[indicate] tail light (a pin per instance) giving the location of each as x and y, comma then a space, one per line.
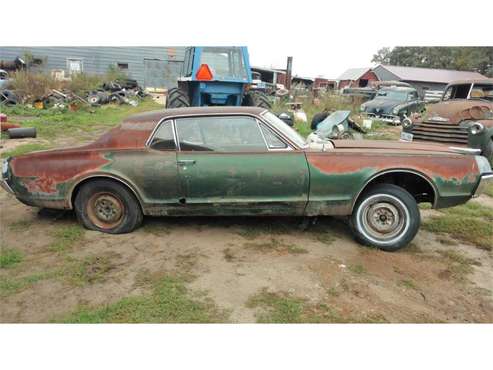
204, 73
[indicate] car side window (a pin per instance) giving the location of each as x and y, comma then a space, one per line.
220, 134
273, 141
163, 138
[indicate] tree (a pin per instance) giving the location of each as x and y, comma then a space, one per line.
479, 59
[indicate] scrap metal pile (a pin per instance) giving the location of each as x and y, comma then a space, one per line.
121, 91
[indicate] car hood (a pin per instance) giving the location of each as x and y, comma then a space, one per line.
392, 146
458, 110
384, 104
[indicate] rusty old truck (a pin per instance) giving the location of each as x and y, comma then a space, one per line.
244, 161
463, 117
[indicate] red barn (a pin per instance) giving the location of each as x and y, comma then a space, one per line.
357, 77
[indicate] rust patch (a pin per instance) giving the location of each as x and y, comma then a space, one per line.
448, 168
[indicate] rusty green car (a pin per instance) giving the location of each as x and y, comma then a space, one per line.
244, 161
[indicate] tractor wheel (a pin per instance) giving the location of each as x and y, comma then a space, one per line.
177, 99
256, 99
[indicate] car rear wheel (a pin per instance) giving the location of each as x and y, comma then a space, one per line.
107, 206
386, 217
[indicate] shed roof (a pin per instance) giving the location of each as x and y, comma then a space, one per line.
353, 74
430, 74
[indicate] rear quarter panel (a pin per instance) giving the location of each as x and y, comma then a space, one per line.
337, 177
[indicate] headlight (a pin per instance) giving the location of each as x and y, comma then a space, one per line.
476, 128
395, 111
407, 123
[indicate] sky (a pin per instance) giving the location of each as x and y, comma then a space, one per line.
325, 38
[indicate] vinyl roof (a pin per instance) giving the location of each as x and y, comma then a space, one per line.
431, 75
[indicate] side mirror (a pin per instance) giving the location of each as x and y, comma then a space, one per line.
286, 118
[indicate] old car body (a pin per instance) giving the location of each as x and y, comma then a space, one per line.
464, 117
237, 161
393, 104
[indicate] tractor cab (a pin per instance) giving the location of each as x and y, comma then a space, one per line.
214, 76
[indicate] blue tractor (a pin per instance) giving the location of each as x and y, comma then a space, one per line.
216, 76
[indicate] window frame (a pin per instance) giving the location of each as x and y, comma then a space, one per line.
162, 122
291, 146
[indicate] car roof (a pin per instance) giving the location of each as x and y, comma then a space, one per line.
158, 115
398, 88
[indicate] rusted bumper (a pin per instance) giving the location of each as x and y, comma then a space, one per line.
485, 180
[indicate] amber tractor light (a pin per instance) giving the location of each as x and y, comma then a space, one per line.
476, 128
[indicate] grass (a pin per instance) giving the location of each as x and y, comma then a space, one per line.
470, 223
52, 123
169, 302
275, 245
9, 286
88, 270
21, 225
408, 284
357, 269
284, 308
65, 237
9, 257
24, 149
489, 190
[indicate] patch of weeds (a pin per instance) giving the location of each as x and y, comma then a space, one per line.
458, 265
275, 245
10, 286
470, 223
424, 205
489, 190
408, 284
24, 149
284, 308
65, 237
332, 291
324, 236
169, 302
88, 270
256, 229
357, 269
21, 225
9, 257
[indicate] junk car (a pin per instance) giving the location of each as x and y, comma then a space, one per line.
229, 161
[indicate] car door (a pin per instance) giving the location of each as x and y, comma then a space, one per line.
239, 166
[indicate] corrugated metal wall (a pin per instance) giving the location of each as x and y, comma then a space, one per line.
98, 59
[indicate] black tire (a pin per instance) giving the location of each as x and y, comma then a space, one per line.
256, 99
317, 118
394, 204
107, 206
177, 99
346, 135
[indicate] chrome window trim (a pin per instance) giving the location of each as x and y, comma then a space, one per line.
288, 147
161, 122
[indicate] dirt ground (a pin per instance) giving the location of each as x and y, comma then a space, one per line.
230, 260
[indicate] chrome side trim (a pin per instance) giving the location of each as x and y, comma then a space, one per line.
484, 181
465, 150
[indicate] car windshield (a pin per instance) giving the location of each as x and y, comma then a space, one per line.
393, 95
225, 62
285, 129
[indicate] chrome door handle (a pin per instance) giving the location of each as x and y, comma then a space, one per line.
186, 162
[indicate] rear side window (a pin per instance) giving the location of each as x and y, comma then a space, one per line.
273, 141
220, 134
163, 138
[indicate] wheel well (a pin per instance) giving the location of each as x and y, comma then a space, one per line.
417, 185
106, 178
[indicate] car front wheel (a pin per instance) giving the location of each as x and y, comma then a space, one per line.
386, 217
107, 206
